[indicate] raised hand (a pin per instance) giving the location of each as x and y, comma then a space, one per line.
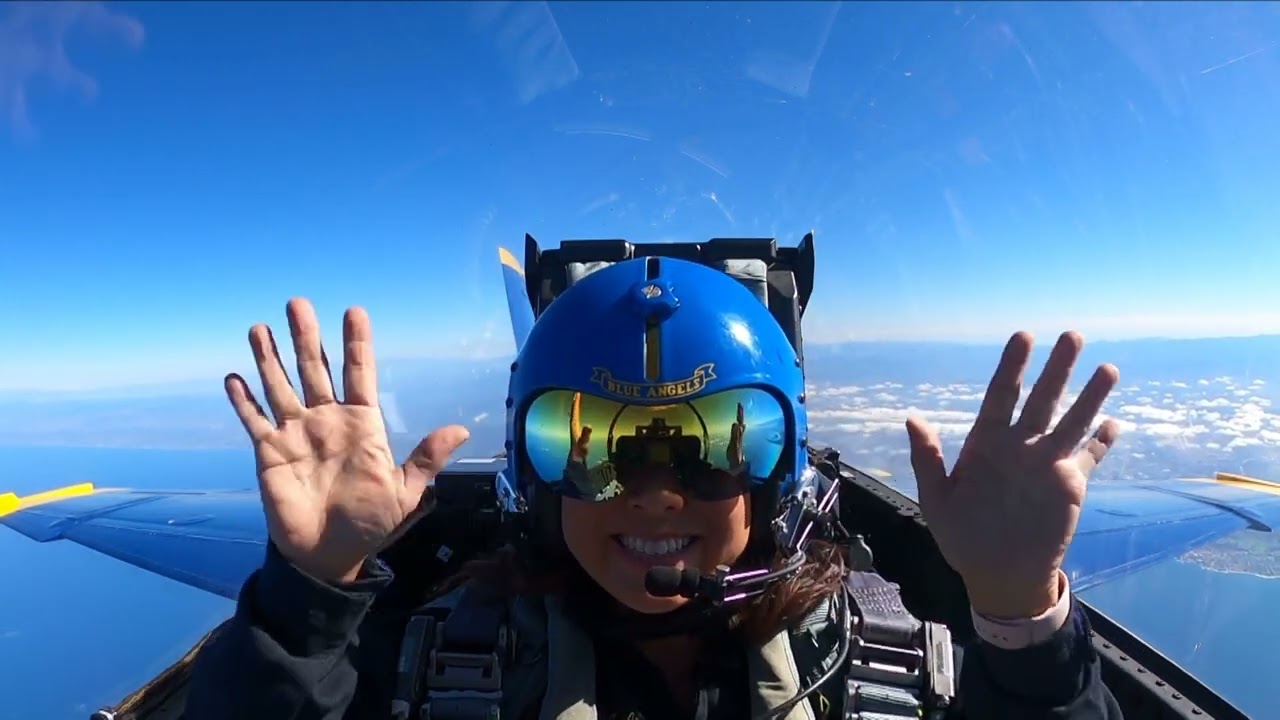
1005, 515
331, 489
579, 434
737, 436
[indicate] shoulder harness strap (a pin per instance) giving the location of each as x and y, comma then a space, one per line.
898, 666
451, 659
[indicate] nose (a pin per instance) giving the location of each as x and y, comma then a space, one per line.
655, 490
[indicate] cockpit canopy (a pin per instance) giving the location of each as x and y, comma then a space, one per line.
781, 277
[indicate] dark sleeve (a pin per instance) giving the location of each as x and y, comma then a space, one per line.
1060, 678
290, 650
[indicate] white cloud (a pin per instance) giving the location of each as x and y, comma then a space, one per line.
33, 39
1194, 415
1153, 413
1213, 402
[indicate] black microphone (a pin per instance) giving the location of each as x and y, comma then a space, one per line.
672, 581
719, 588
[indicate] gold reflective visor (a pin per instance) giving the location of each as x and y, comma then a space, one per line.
588, 446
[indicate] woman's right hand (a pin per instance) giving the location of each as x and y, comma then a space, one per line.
331, 489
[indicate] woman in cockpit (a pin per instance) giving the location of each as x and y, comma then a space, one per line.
680, 555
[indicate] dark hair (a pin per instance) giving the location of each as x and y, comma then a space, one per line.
506, 573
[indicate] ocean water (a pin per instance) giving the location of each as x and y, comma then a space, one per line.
1220, 627
79, 630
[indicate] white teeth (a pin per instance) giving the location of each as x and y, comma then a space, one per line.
666, 546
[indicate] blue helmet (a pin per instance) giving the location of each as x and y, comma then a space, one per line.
655, 360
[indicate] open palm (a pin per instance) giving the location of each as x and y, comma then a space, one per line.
331, 489
579, 434
1006, 513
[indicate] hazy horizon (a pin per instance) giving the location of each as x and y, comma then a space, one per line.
213, 383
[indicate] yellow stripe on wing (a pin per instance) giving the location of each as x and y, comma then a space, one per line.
1241, 481
510, 260
11, 503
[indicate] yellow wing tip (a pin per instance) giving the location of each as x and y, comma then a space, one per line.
1238, 479
11, 503
1241, 481
509, 260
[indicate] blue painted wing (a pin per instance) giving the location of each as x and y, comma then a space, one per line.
1127, 527
211, 540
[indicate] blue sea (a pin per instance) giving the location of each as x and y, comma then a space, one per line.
80, 630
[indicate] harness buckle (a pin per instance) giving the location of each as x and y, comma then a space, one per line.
464, 671
898, 666
452, 658
463, 686
941, 664
868, 702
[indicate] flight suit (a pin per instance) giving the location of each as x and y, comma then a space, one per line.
303, 649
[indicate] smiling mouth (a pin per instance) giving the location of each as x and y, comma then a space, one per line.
656, 549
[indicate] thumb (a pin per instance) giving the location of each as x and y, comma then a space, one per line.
432, 454
424, 463
926, 461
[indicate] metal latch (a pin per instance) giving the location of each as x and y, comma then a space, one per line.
464, 671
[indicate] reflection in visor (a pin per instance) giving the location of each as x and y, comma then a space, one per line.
587, 446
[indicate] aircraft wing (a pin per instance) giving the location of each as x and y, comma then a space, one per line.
211, 540
1126, 527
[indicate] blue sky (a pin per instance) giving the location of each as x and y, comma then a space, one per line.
172, 173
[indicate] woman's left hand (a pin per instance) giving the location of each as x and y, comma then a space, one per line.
1005, 515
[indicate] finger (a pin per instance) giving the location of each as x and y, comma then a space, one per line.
927, 463
424, 463
251, 415
742, 415
1076, 421
1104, 438
317, 386
1006, 385
575, 417
733, 453
432, 454
1038, 411
359, 369
275, 382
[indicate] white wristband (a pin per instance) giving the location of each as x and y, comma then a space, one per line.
1025, 632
